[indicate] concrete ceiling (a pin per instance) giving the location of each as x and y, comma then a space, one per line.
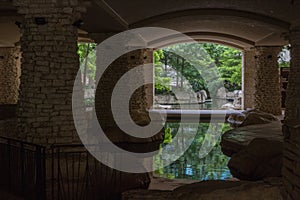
239, 23
9, 32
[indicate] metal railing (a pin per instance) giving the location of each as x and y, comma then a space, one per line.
22, 169
77, 175
58, 172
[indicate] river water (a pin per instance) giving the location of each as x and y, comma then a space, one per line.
189, 165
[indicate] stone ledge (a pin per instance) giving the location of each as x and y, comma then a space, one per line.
269, 189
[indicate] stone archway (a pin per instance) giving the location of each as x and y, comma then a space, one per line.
262, 23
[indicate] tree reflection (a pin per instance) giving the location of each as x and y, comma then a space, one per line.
189, 165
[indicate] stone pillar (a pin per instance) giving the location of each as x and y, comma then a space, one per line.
9, 77
291, 128
248, 78
141, 100
49, 66
267, 80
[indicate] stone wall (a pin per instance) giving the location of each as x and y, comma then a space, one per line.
9, 77
291, 128
49, 66
248, 78
8, 128
267, 80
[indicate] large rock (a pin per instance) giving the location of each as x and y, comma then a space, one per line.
251, 117
237, 139
197, 190
255, 150
260, 159
213, 190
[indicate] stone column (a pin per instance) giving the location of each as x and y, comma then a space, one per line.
291, 128
248, 78
49, 67
141, 100
267, 80
9, 77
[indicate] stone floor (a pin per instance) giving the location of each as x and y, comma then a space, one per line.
269, 189
8, 127
8, 196
159, 183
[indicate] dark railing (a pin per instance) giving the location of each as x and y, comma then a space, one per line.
22, 169
76, 175
59, 172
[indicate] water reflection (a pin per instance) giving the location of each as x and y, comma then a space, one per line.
189, 165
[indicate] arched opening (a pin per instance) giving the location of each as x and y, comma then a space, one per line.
206, 74
196, 76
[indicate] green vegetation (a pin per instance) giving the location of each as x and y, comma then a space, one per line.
202, 58
229, 63
87, 58
284, 57
202, 55
162, 82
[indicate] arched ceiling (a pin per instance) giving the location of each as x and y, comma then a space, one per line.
229, 40
242, 24
9, 32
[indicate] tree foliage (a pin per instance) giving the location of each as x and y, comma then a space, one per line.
229, 63
285, 57
204, 65
87, 56
162, 82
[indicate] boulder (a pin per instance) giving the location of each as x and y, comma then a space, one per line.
251, 117
221, 93
260, 159
226, 190
196, 190
235, 140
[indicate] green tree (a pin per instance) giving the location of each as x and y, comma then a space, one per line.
229, 63
201, 61
162, 82
87, 58
284, 57
191, 62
